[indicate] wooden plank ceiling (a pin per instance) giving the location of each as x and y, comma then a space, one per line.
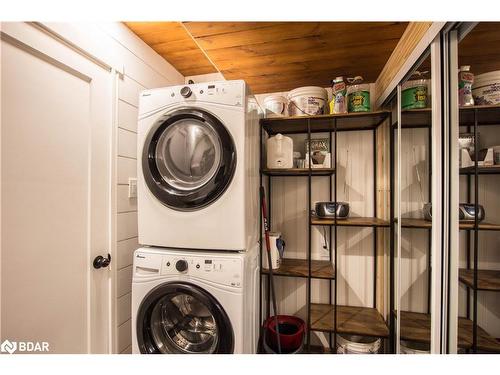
171, 41
275, 56
481, 48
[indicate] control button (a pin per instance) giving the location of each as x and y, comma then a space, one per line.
168, 264
197, 266
172, 95
186, 92
201, 91
181, 265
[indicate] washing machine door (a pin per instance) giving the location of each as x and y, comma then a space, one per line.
189, 159
182, 318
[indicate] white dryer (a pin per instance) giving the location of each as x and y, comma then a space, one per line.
198, 167
194, 302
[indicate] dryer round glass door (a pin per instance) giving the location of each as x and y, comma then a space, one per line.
181, 318
189, 159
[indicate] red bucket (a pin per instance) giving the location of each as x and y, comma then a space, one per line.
291, 332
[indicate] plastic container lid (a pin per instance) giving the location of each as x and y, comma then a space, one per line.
358, 87
275, 98
486, 79
359, 344
415, 83
316, 91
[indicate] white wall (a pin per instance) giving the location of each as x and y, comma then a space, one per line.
136, 67
143, 69
414, 242
205, 78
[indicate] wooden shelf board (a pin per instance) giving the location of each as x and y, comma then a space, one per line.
486, 279
299, 172
422, 118
352, 320
417, 327
489, 169
351, 222
482, 226
424, 224
324, 123
416, 223
320, 269
487, 115
416, 118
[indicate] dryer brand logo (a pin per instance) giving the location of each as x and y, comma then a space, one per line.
24, 346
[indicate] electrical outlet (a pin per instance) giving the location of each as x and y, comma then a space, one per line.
132, 187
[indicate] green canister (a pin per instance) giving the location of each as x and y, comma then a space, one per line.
358, 95
414, 93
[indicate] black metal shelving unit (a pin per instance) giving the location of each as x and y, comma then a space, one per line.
474, 279
416, 326
330, 318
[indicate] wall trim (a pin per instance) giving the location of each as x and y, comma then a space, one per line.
35, 52
47, 30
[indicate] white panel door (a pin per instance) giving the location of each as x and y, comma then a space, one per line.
56, 115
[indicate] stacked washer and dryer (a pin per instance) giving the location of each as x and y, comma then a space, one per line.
195, 281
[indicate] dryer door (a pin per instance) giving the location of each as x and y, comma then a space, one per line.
189, 159
182, 318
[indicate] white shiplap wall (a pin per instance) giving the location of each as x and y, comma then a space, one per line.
414, 242
138, 67
138, 75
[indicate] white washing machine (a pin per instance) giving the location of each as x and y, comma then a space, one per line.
198, 167
194, 301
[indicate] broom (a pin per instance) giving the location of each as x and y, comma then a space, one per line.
271, 278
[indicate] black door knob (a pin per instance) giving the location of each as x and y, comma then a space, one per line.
101, 262
181, 265
186, 92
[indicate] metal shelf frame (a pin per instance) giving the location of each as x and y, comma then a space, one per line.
473, 244
330, 126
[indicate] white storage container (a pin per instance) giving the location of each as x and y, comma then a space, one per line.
352, 344
276, 106
309, 100
279, 152
486, 88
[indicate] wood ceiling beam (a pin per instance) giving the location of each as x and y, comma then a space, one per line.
413, 34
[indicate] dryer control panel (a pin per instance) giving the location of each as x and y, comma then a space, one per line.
221, 92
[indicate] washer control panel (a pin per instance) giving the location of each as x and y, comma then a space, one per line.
220, 270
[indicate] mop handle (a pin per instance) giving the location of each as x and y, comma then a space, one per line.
269, 261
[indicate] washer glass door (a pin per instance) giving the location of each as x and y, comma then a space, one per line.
181, 318
189, 159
